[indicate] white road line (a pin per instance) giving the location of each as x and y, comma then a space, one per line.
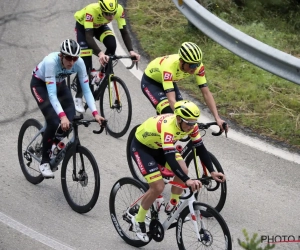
33, 234
234, 135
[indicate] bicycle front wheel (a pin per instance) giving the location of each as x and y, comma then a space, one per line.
80, 179
125, 192
116, 107
28, 150
212, 192
214, 232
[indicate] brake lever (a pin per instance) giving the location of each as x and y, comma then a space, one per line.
224, 125
102, 127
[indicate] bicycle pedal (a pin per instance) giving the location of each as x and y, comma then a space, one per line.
49, 177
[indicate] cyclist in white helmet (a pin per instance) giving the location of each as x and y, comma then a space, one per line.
54, 98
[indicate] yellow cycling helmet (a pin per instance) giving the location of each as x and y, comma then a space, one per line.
108, 6
190, 53
186, 110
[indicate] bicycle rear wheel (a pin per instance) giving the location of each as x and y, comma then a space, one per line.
212, 192
27, 151
134, 169
80, 179
119, 111
214, 232
124, 193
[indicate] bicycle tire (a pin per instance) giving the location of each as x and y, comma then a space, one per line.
132, 192
36, 149
113, 126
86, 178
216, 230
134, 169
221, 187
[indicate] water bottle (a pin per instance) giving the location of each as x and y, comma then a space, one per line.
160, 203
99, 77
93, 76
56, 149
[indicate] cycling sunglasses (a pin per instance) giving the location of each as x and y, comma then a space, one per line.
71, 58
189, 123
193, 65
109, 14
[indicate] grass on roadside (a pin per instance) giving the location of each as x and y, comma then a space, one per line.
244, 93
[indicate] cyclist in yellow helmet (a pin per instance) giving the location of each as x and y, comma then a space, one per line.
91, 22
153, 144
159, 81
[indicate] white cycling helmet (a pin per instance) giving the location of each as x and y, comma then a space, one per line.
70, 47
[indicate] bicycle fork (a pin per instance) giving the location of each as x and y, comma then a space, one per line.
194, 217
114, 104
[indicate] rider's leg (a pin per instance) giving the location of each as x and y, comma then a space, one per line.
86, 55
65, 98
143, 155
176, 191
105, 35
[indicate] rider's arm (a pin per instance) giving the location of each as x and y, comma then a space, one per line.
50, 80
210, 101
201, 149
170, 150
171, 98
84, 82
173, 163
89, 36
208, 97
126, 38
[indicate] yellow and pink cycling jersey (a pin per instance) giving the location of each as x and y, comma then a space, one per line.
91, 16
162, 131
165, 70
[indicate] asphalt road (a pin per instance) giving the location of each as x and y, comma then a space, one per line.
263, 189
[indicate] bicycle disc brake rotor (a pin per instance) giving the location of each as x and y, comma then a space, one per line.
156, 230
83, 178
211, 185
118, 106
206, 237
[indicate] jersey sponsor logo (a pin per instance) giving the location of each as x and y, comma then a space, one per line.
146, 134
151, 97
139, 163
151, 163
37, 96
167, 76
155, 176
201, 71
88, 17
168, 138
154, 70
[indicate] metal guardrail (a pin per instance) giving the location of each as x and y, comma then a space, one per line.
252, 50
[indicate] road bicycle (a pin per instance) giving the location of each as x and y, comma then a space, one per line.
213, 193
193, 231
113, 96
80, 178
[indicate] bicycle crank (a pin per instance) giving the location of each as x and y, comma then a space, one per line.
156, 230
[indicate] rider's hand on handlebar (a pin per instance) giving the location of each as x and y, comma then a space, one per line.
103, 59
64, 123
218, 176
220, 124
132, 53
194, 184
99, 119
